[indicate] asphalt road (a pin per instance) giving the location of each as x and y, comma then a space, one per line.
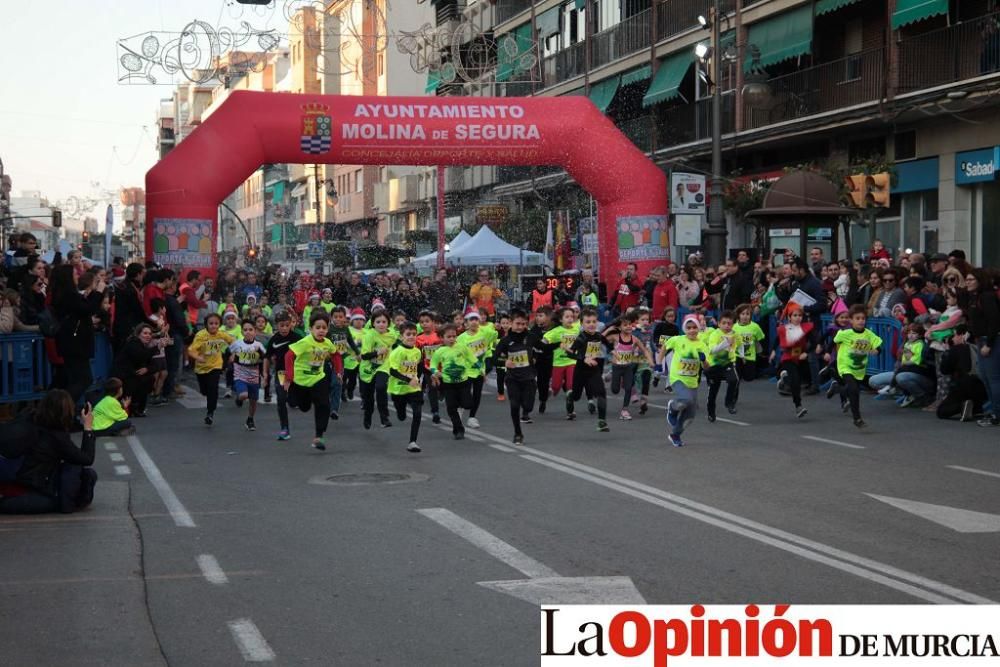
218, 546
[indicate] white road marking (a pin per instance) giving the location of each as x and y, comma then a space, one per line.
111, 447
251, 643
958, 519
117, 458
502, 448
123, 470
489, 543
170, 499
912, 584
975, 471
721, 419
211, 571
833, 442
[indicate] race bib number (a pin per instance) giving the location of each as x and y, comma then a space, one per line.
518, 359
566, 341
409, 368
688, 367
429, 351
594, 350
381, 354
478, 347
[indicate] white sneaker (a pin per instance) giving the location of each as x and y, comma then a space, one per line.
472, 422
887, 390
413, 447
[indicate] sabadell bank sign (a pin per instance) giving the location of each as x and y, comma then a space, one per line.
977, 166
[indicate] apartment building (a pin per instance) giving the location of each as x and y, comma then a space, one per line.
846, 80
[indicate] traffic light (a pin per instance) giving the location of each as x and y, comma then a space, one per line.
877, 190
56, 218
856, 189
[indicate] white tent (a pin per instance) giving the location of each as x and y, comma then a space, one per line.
486, 248
430, 259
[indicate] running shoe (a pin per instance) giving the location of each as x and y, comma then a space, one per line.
625, 416
643, 406
228, 394
368, 422
988, 421
887, 390
250, 425
334, 416
541, 408
860, 423
284, 435
267, 395
435, 418
413, 448
460, 435
800, 411
675, 440
570, 416
907, 401
833, 389
472, 422
781, 380
711, 417
518, 439
731, 409
386, 423
319, 444
526, 419
209, 418
602, 426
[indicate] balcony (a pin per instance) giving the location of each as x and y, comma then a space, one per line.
843, 83
676, 16
693, 122
951, 54
564, 65
508, 9
621, 40
448, 10
639, 131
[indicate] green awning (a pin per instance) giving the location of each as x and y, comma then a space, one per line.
547, 23
277, 190
433, 81
666, 85
509, 64
785, 36
580, 4
911, 11
636, 75
827, 6
602, 93
276, 233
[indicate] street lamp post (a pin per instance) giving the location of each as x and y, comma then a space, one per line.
716, 233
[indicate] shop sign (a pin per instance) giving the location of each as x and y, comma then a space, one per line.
977, 166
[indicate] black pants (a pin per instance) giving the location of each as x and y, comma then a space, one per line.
416, 402
645, 377
589, 379
501, 380
746, 369
852, 392
282, 397
432, 393
114, 429
543, 373
73, 490
376, 394
208, 386
138, 387
477, 394
622, 379
350, 381
968, 388
521, 396
457, 395
316, 396
75, 377
715, 375
794, 380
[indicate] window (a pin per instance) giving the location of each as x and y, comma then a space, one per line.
905, 144
853, 40
930, 212
358, 181
865, 149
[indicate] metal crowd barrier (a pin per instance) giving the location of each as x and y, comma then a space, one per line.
25, 371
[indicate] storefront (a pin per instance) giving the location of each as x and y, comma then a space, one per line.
977, 171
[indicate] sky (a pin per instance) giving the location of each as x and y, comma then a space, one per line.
65, 121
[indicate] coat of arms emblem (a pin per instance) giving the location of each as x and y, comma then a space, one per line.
317, 129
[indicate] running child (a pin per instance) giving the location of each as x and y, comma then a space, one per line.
794, 338
502, 329
644, 370
542, 353
247, 358
340, 336
374, 373
428, 341
478, 339
264, 333
625, 352
405, 364
690, 356
588, 350
664, 330
560, 339
306, 379
231, 327
748, 343
352, 362
722, 344
450, 366
206, 351
312, 306
515, 356
274, 359
854, 346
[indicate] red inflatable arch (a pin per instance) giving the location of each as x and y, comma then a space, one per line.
184, 190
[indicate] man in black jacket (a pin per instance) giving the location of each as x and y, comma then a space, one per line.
178, 332
128, 305
804, 280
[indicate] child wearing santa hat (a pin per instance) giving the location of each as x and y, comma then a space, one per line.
690, 356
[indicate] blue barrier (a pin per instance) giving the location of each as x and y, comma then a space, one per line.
25, 371
889, 330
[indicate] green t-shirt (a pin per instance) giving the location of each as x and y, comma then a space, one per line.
381, 344
565, 336
749, 336
479, 344
236, 332
310, 356
454, 363
853, 349
405, 360
913, 353
724, 356
350, 361
685, 364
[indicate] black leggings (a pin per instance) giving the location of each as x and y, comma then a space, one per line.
623, 378
477, 394
852, 392
457, 395
317, 396
501, 380
75, 376
590, 379
138, 387
376, 394
416, 402
432, 392
794, 380
543, 372
350, 381
208, 386
746, 369
715, 375
521, 396
282, 397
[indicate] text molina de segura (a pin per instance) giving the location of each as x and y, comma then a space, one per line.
390, 122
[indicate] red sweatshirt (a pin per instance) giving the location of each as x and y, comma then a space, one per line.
790, 351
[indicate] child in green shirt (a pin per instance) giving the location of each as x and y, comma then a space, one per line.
690, 355
854, 346
405, 364
374, 371
450, 367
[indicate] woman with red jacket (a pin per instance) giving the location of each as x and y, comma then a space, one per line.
794, 340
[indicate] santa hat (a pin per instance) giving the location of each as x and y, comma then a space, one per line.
327, 291
377, 303
691, 318
574, 305
251, 297
358, 314
791, 308
229, 313
471, 313
313, 295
